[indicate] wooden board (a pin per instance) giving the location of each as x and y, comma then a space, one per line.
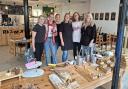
6, 76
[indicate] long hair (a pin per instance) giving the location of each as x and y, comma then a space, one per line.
65, 16
88, 15
73, 18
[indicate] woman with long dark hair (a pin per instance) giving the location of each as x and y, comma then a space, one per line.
50, 44
66, 36
76, 25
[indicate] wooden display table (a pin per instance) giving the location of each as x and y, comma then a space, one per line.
80, 74
44, 83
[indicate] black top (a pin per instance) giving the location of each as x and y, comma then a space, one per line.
87, 34
67, 30
40, 33
58, 37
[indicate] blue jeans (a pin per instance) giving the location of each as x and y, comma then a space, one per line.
57, 46
64, 55
86, 50
52, 47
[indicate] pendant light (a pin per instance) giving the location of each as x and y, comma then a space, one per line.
6, 7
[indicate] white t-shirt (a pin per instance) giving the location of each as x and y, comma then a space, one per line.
49, 29
76, 31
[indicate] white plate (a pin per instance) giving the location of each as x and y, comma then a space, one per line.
33, 73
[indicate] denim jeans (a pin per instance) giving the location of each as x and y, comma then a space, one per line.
49, 45
65, 55
57, 47
86, 50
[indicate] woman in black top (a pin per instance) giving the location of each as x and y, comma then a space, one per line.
57, 20
88, 35
38, 37
66, 36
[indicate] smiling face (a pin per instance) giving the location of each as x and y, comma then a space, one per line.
57, 17
76, 16
88, 18
66, 17
41, 20
51, 17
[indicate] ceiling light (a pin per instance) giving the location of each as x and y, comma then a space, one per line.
51, 10
6, 7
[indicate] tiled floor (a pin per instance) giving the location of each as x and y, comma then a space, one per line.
9, 61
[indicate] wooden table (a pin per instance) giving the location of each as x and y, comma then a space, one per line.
44, 83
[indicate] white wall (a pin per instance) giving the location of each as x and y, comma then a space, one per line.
103, 6
79, 7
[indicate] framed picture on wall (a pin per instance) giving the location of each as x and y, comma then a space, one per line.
101, 16
113, 15
107, 16
96, 16
82, 17
93, 15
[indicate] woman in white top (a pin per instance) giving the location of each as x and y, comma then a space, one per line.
76, 25
50, 44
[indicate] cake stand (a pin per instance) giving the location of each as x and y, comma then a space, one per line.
33, 70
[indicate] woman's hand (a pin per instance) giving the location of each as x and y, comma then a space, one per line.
91, 43
34, 49
62, 43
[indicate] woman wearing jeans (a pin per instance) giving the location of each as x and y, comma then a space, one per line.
66, 36
88, 36
50, 44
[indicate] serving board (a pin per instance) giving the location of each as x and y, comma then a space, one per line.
6, 76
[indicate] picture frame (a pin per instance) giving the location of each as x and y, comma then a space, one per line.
96, 16
113, 15
93, 15
106, 16
101, 16
81, 18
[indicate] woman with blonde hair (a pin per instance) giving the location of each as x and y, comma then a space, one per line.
88, 35
38, 37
